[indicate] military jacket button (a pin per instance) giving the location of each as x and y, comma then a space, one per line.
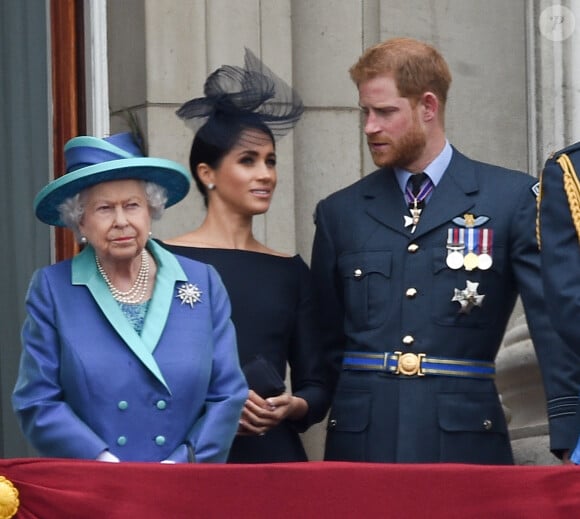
331, 424
357, 273
487, 424
411, 293
122, 440
413, 247
122, 405
161, 404
408, 340
160, 440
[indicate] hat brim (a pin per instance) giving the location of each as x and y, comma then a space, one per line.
166, 173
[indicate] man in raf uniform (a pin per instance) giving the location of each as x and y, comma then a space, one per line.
416, 269
559, 238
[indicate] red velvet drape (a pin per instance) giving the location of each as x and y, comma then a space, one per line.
63, 489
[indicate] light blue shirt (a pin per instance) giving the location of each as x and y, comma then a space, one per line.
434, 170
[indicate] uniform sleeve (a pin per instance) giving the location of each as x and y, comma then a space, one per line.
560, 254
559, 364
307, 369
212, 435
47, 421
327, 295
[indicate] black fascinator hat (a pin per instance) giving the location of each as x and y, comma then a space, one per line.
251, 96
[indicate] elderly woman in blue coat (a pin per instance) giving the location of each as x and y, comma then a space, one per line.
129, 353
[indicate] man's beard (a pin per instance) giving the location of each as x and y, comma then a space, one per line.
403, 152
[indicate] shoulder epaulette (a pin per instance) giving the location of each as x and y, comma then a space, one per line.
568, 150
571, 184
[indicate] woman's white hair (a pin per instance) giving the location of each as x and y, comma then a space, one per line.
71, 211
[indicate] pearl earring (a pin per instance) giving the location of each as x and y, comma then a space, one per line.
84, 240
211, 187
150, 234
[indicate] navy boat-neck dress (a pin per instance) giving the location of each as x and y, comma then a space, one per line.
273, 315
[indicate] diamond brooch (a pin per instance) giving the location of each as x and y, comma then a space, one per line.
189, 294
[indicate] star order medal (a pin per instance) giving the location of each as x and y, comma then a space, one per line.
468, 297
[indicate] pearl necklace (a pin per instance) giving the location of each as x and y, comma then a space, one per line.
137, 292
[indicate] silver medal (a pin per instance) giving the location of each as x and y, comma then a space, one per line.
454, 260
484, 262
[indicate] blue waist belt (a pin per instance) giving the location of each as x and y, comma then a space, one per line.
419, 364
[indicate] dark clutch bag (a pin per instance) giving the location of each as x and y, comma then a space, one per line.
263, 378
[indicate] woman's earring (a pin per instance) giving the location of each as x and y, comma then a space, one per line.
210, 187
150, 234
84, 240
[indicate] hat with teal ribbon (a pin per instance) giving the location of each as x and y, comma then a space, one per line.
90, 161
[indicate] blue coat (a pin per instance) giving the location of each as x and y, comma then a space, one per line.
89, 382
559, 236
382, 289
560, 247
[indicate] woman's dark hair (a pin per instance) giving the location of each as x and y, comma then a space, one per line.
217, 137
235, 100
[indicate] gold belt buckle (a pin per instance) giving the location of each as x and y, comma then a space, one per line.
409, 364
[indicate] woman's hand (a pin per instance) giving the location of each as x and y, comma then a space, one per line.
260, 415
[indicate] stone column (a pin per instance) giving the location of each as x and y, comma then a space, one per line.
553, 50
522, 392
160, 55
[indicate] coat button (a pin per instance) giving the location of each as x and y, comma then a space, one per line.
411, 292
413, 247
408, 340
160, 440
331, 424
357, 273
161, 404
122, 405
487, 424
122, 440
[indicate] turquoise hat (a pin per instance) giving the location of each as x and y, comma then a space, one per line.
90, 161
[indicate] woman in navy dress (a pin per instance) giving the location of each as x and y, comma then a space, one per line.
233, 162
